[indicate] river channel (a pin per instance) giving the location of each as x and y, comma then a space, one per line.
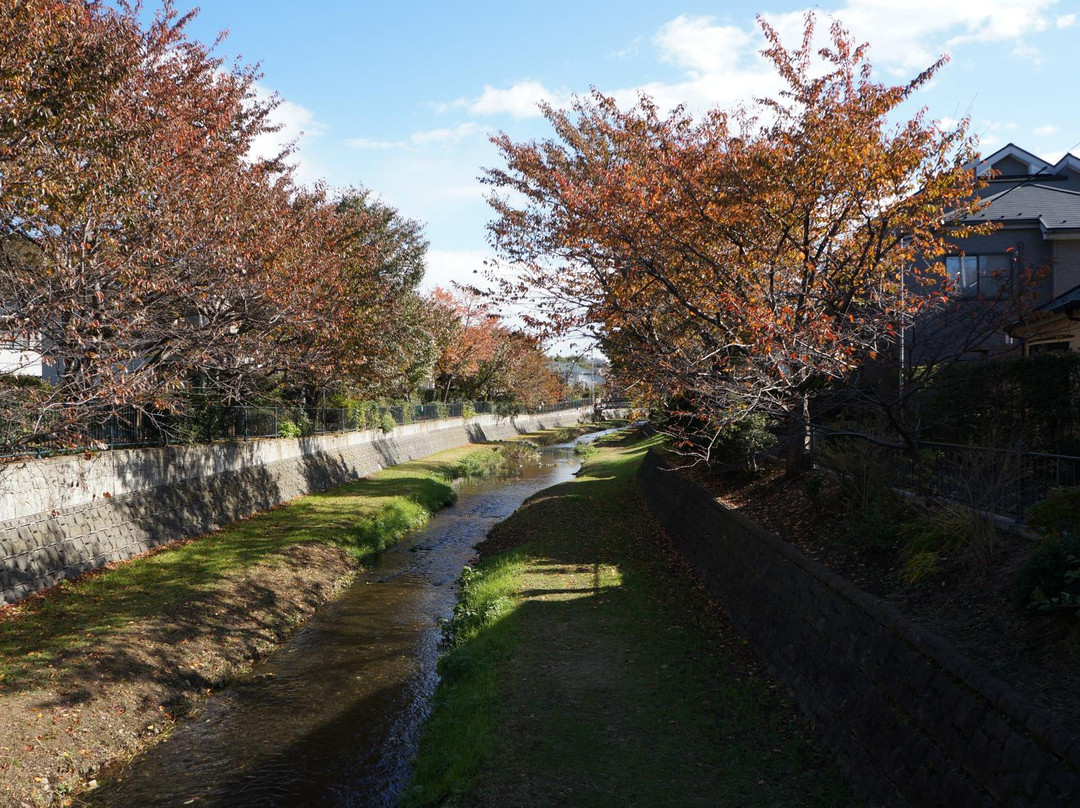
333, 717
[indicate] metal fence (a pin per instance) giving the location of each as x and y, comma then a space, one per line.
128, 427
1005, 482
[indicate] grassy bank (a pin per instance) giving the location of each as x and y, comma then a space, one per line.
589, 668
96, 669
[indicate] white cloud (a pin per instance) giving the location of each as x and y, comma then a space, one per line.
1044, 131
422, 138
630, 50
298, 126
446, 266
444, 135
701, 48
911, 35
723, 67
368, 143
520, 100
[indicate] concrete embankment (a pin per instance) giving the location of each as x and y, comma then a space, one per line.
914, 721
62, 516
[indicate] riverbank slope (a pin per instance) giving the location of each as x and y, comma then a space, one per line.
98, 669
590, 668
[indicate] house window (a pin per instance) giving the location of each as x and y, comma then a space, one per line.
979, 274
1047, 347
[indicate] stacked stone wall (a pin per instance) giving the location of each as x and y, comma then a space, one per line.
913, 721
65, 515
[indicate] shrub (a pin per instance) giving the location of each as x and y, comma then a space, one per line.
742, 441
516, 453
1058, 515
1049, 580
305, 424
289, 429
585, 450
862, 471
468, 410
949, 530
387, 422
480, 464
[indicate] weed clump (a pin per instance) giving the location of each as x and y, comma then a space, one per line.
478, 465
948, 531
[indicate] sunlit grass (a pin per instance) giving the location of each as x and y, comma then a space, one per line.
588, 669
362, 518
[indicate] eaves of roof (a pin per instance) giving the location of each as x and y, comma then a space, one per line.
1065, 302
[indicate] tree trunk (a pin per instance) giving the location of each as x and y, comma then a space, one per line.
799, 458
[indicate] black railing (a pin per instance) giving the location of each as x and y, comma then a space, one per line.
1005, 482
128, 427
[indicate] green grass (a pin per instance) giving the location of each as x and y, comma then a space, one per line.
478, 464
588, 669
361, 517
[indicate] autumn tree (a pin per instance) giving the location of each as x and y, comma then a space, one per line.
742, 262
147, 252
386, 348
138, 223
482, 358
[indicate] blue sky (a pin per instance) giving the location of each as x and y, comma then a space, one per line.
401, 97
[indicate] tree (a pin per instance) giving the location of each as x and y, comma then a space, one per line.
148, 240
385, 348
147, 252
481, 358
742, 263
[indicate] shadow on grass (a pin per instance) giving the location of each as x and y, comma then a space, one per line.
612, 678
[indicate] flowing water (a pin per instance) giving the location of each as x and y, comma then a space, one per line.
333, 717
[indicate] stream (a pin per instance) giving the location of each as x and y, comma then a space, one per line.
333, 717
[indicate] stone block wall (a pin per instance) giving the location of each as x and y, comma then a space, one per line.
912, 720
64, 515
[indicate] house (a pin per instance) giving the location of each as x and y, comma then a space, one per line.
20, 358
1036, 205
581, 375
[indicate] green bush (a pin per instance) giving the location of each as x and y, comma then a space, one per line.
289, 429
585, 450
1034, 400
468, 410
480, 464
862, 471
387, 422
1058, 515
1049, 580
305, 424
518, 452
361, 414
742, 441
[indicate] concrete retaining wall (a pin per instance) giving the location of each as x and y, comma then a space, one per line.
913, 721
61, 516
